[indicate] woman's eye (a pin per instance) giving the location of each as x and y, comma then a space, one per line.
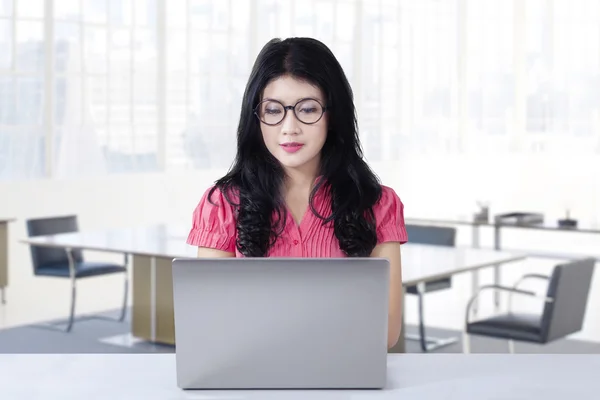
272, 111
308, 110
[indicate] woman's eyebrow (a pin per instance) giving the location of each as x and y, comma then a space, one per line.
297, 100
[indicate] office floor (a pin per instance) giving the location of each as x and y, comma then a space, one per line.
31, 299
101, 336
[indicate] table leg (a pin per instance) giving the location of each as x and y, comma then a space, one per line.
475, 236
152, 300
475, 273
497, 276
3, 261
474, 289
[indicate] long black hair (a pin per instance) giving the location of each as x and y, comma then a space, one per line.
256, 177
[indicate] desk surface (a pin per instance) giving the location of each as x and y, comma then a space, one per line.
549, 224
410, 376
420, 262
7, 220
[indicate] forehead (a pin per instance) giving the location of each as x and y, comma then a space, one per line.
289, 90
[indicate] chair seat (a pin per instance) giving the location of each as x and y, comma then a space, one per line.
83, 269
523, 327
432, 286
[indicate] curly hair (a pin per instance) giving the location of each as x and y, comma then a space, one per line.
256, 176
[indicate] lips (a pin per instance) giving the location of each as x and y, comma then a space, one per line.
291, 147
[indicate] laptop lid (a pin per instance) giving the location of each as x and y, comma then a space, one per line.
281, 322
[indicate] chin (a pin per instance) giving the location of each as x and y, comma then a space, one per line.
295, 161
292, 163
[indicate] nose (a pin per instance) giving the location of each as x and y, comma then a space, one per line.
290, 124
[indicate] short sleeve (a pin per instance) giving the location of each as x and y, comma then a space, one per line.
213, 223
389, 217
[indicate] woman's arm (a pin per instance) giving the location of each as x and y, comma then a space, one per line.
391, 251
206, 252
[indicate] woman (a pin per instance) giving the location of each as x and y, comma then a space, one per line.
299, 186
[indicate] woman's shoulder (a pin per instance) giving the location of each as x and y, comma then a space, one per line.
389, 216
389, 198
214, 220
217, 196
216, 204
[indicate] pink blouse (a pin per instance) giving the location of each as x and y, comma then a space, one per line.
214, 226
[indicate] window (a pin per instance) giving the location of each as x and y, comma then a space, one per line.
94, 87
490, 70
563, 68
22, 82
208, 62
416, 88
105, 87
77, 94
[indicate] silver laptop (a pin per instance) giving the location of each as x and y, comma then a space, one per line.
281, 323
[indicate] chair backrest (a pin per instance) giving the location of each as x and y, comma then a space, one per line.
429, 234
46, 256
569, 286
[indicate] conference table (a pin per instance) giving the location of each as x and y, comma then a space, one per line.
547, 225
152, 249
583, 227
4, 222
409, 376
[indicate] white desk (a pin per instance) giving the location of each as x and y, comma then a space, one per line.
582, 226
4, 256
585, 227
153, 249
410, 376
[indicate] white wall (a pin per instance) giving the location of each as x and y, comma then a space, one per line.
451, 185
428, 184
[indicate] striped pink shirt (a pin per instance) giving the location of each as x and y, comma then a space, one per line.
214, 226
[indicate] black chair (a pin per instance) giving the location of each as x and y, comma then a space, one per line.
431, 235
68, 263
563, 313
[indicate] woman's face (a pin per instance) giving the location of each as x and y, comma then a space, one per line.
294, 143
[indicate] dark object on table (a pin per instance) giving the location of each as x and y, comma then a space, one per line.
567, 222
520, 218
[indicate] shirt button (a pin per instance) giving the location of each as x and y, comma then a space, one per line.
295, 243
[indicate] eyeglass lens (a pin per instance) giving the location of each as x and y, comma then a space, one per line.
272, 112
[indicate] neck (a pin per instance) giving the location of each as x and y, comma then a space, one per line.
301, 179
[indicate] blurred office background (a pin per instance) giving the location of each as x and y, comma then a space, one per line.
124, 111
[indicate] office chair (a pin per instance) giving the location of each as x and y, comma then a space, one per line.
563, 313
432, 235
68, 263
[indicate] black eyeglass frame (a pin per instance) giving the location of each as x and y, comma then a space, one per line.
286, 108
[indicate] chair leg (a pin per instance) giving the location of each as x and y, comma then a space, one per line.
73, 299
421, 337
427, 343
71, 321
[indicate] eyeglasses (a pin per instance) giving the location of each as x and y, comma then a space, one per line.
272, 112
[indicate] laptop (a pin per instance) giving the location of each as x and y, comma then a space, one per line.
281, 323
